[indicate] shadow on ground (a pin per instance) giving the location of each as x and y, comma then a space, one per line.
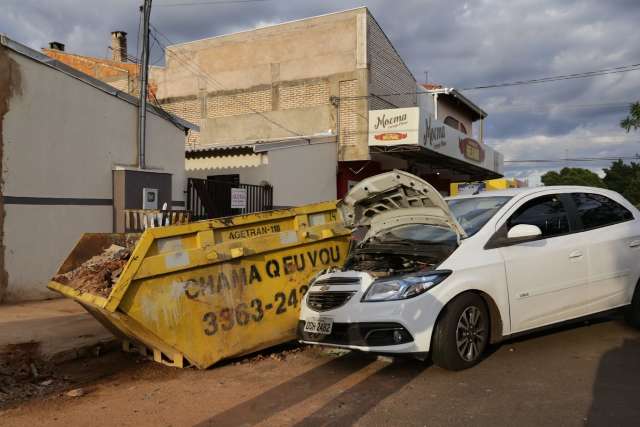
616, 389
352, 404
344, 409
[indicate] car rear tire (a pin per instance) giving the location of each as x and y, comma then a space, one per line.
633, 312
461, 334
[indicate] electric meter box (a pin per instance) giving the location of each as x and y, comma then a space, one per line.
135, 189
150, 198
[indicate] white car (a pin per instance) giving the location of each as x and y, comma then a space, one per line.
448, 277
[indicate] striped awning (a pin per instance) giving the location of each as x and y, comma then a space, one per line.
227, 162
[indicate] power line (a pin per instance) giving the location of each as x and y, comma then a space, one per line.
217, 84
576, 159
198, 71
208, 3
545, 107
586, 74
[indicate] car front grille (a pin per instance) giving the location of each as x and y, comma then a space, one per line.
328, 300
338, 280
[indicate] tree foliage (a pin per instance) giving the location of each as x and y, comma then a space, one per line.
625, 179
621, 177
573, 176
633, 119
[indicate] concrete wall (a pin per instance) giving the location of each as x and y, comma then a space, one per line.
308, 48
286, 72
310, 177
274, 124
61, 139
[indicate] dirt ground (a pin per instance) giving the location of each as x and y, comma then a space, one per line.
583, 375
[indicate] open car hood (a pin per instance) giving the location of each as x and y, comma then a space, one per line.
396, 198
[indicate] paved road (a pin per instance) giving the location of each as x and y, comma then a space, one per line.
585, 375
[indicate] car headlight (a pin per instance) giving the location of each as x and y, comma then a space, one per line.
403, 287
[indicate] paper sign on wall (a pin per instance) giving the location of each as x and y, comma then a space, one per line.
238, 198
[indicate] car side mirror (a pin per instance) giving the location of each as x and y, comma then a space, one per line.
523, 232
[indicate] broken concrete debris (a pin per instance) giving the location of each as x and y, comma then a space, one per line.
98, 275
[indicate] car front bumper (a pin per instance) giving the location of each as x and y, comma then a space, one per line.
394, 327
367, 334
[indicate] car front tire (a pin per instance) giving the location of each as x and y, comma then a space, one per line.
461, 334
633, 312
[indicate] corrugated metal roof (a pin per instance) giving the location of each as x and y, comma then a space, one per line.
104, 87
226, 162
260, 146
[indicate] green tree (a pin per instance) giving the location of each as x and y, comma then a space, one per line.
625, 179
633, 119
572, 176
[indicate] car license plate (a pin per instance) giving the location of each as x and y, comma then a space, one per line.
319, 326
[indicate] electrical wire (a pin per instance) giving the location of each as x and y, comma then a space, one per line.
621, 105
195, 68
601, 72
217, 85
586, 74
577, 159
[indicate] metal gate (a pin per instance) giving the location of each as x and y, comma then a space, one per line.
208, 199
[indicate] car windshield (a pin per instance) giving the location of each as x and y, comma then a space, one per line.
474, 212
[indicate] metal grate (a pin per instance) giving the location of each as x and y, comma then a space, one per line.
323, 301
207, 198
337, 280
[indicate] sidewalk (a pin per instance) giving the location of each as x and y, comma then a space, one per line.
56, 330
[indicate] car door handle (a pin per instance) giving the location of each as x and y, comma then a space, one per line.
575, 255
634, 243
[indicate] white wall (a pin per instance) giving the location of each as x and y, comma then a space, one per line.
299, 175
61, 139
303, 175
39, 238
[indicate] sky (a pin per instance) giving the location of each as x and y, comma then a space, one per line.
460, 43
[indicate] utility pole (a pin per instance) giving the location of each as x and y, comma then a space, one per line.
144, 73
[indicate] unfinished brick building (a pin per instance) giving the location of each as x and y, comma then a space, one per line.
312, 81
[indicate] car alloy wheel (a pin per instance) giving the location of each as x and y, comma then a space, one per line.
470, 334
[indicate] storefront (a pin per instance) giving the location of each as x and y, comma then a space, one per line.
412, 139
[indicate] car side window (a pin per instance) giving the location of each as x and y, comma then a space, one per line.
596, 210
547, 212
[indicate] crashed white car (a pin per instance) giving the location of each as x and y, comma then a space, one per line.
450, 277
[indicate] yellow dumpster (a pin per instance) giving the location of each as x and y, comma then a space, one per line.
197, 293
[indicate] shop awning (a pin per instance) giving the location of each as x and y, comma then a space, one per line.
422, 155
413, 134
